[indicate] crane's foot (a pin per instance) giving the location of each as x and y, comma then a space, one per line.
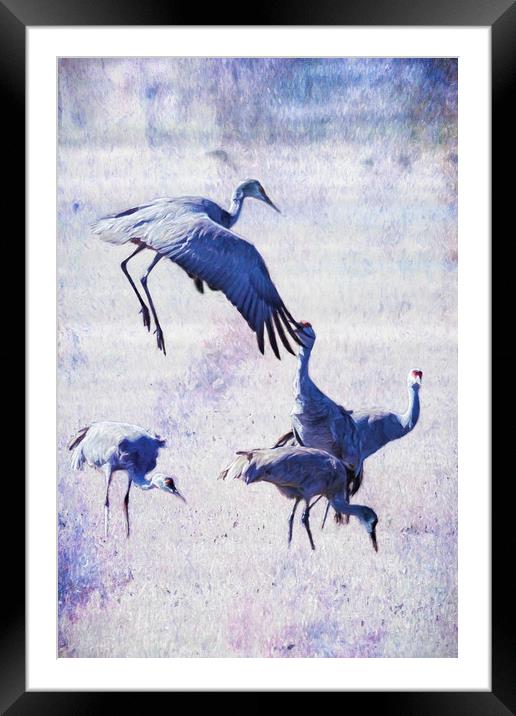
146, 317
160, 340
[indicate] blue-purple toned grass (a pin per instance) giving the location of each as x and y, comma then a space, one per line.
361, 158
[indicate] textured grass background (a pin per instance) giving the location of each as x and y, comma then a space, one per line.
360, 155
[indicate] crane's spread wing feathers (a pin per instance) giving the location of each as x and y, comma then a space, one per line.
229, 263
135, 223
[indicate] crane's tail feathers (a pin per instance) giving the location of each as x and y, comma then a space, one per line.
249, 454
236, 469
78, 459
78, 438
284, 439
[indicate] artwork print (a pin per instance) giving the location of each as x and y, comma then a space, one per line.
257, 357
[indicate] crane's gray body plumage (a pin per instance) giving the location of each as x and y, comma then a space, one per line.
296, 472
110, 447
318, 421
196, 234
122, 446
301, 473
321, 423
378, 428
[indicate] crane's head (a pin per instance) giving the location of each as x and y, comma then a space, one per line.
253, 189
306, 334
166, 483
366, 515
369, 519
415, 378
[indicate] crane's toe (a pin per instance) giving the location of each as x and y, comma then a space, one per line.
160, 340
146, 317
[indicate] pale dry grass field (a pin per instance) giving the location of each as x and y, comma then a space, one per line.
366, 250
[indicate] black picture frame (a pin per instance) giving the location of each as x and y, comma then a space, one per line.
500, 15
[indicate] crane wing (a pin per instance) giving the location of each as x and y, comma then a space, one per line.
229, 263
345, 435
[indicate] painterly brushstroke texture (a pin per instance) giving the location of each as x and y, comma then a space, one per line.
361, 157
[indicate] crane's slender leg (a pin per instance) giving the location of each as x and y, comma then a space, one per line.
315, 502
291, 520
108, 474
325, 514
144, 310
306, 522
346, 517
126, 504
143, 280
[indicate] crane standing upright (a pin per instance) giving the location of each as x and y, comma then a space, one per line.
317, 421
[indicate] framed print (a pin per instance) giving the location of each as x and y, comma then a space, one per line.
321, 191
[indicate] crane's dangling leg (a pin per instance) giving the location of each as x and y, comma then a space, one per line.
126, 504
144, 310
108, 474
291, 520
143, 280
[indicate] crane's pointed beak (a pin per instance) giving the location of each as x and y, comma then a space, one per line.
373, 540
270, 203
178, 494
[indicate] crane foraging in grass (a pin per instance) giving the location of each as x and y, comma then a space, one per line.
303, 474
196, 234
111, 446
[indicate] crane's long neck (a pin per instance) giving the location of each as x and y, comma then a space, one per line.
302, 377
347, 508
410, 417
237, 203
142, 482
